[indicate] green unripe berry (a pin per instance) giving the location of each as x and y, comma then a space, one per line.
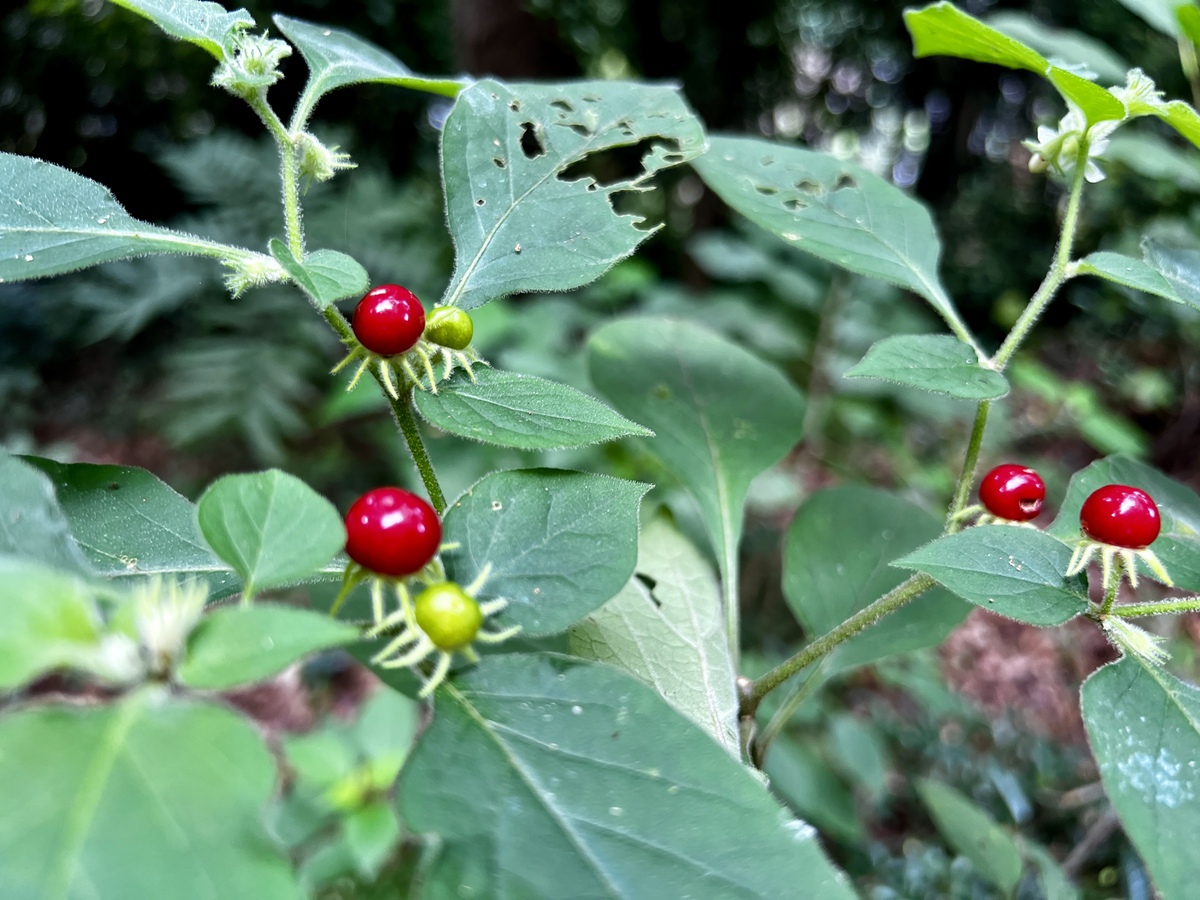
448, 615
449, 326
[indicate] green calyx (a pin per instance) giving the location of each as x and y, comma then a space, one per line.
449, 326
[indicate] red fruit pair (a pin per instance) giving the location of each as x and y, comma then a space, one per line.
392, 532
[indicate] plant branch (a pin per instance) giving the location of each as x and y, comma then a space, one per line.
1058, 270
966, 478
1162, 607
890, 602
783, 715
287, 171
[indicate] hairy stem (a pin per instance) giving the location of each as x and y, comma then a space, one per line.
966, 478
287, 171
1163, 607
784, 714
1058, 270
1114, 585
890, 602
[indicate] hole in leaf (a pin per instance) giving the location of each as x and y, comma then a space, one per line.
808, 186
765, 190
531, 144
649, 584
563, 105
616, 165
673, 157
498, 161
767, 161
794, 204
480, 202
515, 106
844, 181
581, 130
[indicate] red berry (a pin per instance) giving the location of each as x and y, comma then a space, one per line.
389, 320
1122, 516
1013, 492
392, 532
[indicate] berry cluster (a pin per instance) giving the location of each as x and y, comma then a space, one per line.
394, 537
393, 334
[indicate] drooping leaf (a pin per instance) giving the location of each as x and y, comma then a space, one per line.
1144, 727
942, 29
198, 22
271, 527
53, 221
129, 523
48, 620
371, 834
337, 58
522, 411
521, 215
1073, 48
241, 645
971, 831
1015, 572
836, 561
721, 414
325, 275
1177, 547
667, 629
937, 363
612, 792
145, 797
32, 526
834, 210
555, 544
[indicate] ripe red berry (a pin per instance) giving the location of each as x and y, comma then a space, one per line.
389, 320
392, 532
1122, 516
1013, 492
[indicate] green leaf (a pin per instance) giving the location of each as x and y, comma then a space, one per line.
271, 527
612, 792
1180, 268
1068, 46
971, 832
325, 275
835, 563
1178, 545
856, 749
1132, 273
721, 414
1187, 14
1144, 727
237, 645
809, 786
832, 209
522, 411
1158, 14
1183, 118
1153, 156
667, 628
556, 544
129, 523
54, 221
145, 797
1015, 572
521, 218
48, 620
936, 363
371, 834
204, 24
944, 30
32, 526
338, 58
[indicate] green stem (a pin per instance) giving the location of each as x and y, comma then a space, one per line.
288, 172
784, 714
402, 411
1058, 271
1163, 607
1114, 586
888, 603
966, 478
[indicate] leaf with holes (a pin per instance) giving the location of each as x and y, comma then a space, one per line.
207, 25
53, 221
325, 275
128, 523
32, 525
667, 629
836, 561
148, 796
721, 415
1178, 545
338, 58
942, 29
613, 794
931, 362
522, 411
1144, 727
555, 544
524, 212
834, 210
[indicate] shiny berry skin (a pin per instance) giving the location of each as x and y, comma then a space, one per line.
389, 320
392, 532
450, 327
1122, 516
448, 615
1013, 492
